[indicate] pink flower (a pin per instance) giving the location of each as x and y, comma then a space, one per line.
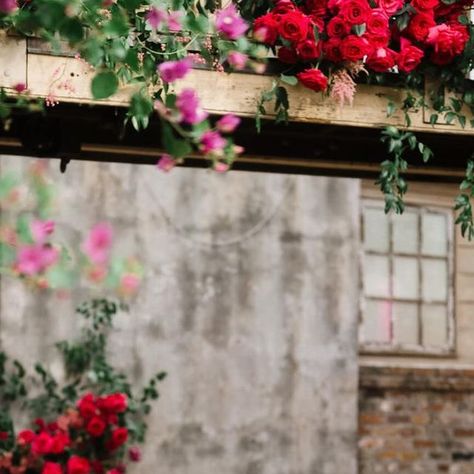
20, 87
98, 242
134, 454
8, 6
171, 71
228, 123
129, 283
237, 60
166, 163
40, 230
212, 142
221, 167
33, 259
230, 24
174, 20
188, 105
154, 17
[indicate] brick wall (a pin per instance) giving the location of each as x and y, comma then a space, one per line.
416, 420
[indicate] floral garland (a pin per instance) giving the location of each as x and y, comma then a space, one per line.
323, 44
345, 37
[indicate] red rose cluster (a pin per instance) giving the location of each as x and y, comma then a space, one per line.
85, 440
349, 31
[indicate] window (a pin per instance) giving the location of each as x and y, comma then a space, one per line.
407, 280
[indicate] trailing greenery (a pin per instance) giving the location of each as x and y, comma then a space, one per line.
87, 369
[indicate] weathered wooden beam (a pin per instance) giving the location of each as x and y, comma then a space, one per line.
68, 80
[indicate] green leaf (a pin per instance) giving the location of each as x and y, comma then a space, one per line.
176, 147
359, 30
290, 80
391, 109
104, 85
72, 30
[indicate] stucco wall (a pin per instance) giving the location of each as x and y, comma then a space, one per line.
249, 303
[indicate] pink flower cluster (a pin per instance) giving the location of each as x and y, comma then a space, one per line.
230, 24
158, 18
171, 71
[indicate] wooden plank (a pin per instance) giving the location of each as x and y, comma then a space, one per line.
12, 61
67, 79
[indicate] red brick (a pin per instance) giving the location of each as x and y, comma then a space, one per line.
423, 443
398, 419
463, 433
371, 419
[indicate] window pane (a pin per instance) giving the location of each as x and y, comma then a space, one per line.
405, 323
376, 322
376, 230
376, 276
405, 278
435, 325
435, 235
405, 233
435, 280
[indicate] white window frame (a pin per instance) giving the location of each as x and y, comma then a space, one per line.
400, 349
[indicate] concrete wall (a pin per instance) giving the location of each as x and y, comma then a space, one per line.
250, 303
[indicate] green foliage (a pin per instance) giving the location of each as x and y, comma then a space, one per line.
463, 203
104, 85
279, 96
87, 369
390, 180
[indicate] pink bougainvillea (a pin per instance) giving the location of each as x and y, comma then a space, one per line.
98, 243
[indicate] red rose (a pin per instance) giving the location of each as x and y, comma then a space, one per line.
119, 437
355, 12
96, 426
377, 23
456, 9
283, 6
377, 40
114, 403
51, 468
354, 48
420, 25
97, 467
25, 437
265, 29
313, 79
447, 40
390, 7
424, 5
320, 24
409, 57
287, 55
332, 50
382, 59
308, 50
78, 465
59, 443
338, 27
333, 5
86, 406
294, 26
42, 444
316, 7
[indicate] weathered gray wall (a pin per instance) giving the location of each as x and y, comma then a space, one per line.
250, 303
